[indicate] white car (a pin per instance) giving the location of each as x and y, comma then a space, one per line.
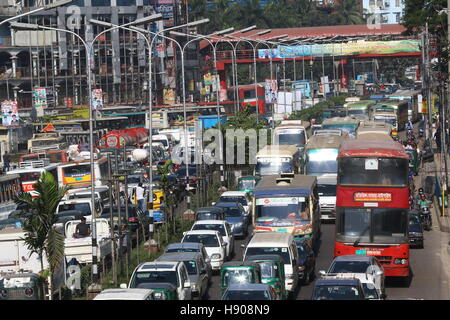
125, 294
360, 265
223, 227
238, 196
213, 243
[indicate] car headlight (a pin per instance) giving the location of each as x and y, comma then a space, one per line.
418, 234
216, 256
159, 296
194, 287
301, 268
239, 224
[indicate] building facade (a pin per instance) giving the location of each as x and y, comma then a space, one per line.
388, 11
56, 61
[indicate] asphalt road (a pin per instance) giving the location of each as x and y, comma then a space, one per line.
430, 266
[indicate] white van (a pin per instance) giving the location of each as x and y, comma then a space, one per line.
282, 244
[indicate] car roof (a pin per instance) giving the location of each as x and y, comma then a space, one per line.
338, 282
299, 186
354, 257
185, 245
202, 232
234, 194
207, 209
179, 256
270, 239
158, 266
249, 287
123, 294
210, 222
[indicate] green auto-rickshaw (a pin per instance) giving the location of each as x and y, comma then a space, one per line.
161, 291
414, 160
248, 183
272, 272
21, 286
239, 272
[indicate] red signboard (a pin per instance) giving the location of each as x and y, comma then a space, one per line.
372, 197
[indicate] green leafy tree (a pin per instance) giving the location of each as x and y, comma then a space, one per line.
41, 237
348, 12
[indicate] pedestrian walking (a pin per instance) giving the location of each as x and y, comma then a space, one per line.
6, 160
140, 196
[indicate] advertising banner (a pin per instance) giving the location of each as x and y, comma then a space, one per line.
271, 90
342, 49
97, 99
40, 98
372, 197
169, 96
10, 116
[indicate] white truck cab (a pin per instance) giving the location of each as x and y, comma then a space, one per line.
326, 188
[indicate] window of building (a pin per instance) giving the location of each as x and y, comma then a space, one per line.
397, 17
126, 3
371, 3
379, 3
397, 3
101, 3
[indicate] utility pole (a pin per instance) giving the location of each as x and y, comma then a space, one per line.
443, 106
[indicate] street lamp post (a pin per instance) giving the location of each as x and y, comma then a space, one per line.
89, 52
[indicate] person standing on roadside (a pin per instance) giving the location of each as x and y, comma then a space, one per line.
6, 160
140, 196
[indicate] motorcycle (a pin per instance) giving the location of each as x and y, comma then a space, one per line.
425, 217
421, 132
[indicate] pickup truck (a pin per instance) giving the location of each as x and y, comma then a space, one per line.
81, 248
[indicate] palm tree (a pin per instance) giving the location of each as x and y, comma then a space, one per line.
40, 235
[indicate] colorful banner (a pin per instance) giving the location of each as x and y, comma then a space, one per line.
10, 116
40, 98
97, 99
342, 49
271, 90
169, 96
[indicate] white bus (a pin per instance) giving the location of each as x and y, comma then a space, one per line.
276, 159
77, 174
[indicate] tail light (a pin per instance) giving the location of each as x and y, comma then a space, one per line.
133, 219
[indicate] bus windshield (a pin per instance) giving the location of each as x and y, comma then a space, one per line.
389, 172
77, 171
271, 166
30, 176
392, 120
349, 128
293, 137
247, 184
382, 225
326, 190
321, 161
281, 208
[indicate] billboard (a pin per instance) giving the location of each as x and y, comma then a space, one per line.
271, 89
10, 116
40, 98
97, 99
342, 49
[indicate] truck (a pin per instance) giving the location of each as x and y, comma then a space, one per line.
19, 268
81, 248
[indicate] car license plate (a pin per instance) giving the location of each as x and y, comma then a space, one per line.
361, 252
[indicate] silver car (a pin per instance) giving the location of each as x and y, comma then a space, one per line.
196, 268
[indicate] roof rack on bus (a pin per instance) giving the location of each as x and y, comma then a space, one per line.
34, 164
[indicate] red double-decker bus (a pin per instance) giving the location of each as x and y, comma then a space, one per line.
372, 203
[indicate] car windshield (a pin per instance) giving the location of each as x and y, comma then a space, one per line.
282, 252
370, 291
214, 227
164, 142
268, 269
336, 293
181, 250
349, 267
208, 216
133, 180
232, 212
247, 184
246, 295
241, 199
154, 277
208, 240
191, 266
326, 190
84, 208
237, 276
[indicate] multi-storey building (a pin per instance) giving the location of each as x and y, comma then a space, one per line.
388, 11
57, 60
